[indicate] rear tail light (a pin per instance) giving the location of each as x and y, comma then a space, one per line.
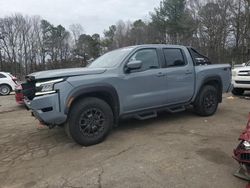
18, 88
14, 79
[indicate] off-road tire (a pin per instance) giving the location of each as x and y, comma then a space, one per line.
207, 102
87, 116
238, 91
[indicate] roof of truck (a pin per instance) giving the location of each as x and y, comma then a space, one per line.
159, 45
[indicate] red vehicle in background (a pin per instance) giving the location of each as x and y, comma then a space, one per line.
242, 154
19, 94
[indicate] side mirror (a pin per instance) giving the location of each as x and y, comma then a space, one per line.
132, 65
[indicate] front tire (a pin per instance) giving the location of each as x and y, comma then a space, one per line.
207, 102
5, 90
90, 121
238, 91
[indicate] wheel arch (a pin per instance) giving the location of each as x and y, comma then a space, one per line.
213, 81
105, 92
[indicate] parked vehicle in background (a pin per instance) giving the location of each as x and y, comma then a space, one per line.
241, 79
19, 94
242, 154
135, 81
7, 83
239, 65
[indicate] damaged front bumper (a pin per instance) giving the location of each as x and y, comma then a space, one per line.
47, 109
242, 156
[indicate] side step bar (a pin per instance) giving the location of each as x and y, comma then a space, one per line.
146, 115
153, 114
176, 109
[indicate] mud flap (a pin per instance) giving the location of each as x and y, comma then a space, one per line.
242, 173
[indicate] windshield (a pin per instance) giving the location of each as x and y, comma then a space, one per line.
111, 59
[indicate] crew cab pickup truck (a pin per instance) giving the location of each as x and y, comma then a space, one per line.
241, 79
135, 81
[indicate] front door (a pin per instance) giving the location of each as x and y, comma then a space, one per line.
144, 88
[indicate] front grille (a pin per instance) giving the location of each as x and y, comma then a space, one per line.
245, 156
244, 73
242, 82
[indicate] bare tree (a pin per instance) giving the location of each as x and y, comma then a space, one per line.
76, 30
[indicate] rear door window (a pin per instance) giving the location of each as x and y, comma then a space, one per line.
174, 57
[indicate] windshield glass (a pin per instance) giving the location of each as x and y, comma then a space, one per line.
111, 59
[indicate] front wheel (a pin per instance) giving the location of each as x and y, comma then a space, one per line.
5, 89
207, 102
90, 121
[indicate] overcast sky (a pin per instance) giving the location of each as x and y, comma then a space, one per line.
93, 15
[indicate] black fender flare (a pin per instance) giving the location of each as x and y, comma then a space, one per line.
208, 79
94, 89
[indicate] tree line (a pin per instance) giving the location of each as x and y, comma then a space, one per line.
220, 29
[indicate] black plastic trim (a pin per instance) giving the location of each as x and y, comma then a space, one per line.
157, 109
210, 79
93, 89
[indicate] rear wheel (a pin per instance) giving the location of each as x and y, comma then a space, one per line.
90, 121
5, 89
207, 102
238, 91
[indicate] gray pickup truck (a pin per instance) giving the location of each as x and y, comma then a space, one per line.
136, 81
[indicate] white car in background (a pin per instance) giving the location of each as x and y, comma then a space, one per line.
7, 83
241, 79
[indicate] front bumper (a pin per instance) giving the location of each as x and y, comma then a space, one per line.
241, 82
242, 156
47, 109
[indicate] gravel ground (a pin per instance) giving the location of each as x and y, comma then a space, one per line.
174, 150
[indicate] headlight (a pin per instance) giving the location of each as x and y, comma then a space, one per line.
247, 145
43, 88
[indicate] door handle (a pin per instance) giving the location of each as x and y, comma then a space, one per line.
188, 72
160, 74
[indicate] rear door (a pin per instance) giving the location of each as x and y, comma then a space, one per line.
180, 75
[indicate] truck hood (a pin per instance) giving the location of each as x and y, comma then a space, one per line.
246, 68
59, 73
